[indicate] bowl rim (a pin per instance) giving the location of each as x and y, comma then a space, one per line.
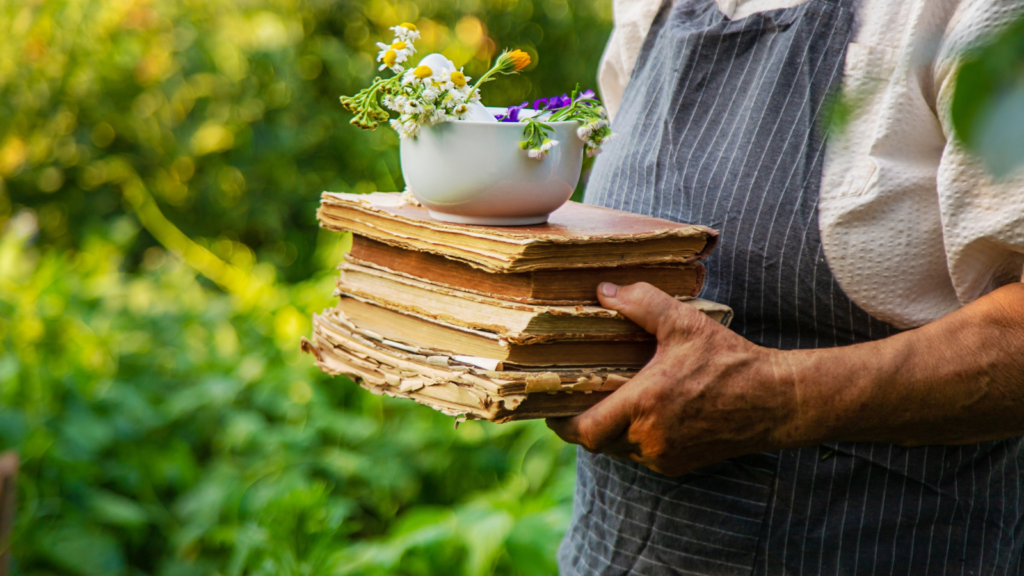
512, 124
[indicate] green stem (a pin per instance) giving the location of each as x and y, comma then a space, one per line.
485, 78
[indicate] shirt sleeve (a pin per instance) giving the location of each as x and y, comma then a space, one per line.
633, 19
982, 217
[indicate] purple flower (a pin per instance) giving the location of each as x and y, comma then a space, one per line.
512, 114
558, 102
552, 102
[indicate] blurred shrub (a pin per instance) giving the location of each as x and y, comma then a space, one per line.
167, 423
229, 113
166, 428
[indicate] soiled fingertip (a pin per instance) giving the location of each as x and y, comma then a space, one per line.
563, 427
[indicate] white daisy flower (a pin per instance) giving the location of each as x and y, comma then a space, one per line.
403, 48
418, 76
430, 94
406, 32
548, 145
411, 128
391, 58
413, 107
398, 127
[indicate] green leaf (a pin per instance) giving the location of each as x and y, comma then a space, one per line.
114, 509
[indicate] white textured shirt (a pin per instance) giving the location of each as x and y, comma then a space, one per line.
912, 226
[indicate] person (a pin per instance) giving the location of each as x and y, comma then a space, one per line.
863, 415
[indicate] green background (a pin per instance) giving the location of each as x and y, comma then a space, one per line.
160, 167
160, 164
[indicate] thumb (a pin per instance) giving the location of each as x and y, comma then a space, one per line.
641, 303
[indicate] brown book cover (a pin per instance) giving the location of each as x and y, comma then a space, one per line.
575, 236
553, 287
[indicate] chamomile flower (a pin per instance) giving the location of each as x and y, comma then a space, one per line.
389, 59
418, 76
542, 152
402, 47
430, 95
459, 79
411, 128
413, 107
394, 55
406, 31
396, 103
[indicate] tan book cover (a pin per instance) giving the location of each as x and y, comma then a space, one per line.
450, 384
449, 338
575, 236
554, 286
516, 322
426, 332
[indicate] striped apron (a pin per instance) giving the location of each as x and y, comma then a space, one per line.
720, 125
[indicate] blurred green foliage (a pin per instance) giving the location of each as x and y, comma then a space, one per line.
160, 164
988, 101
228, 112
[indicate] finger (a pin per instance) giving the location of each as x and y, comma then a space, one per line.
641, 303
623, 449
599, 425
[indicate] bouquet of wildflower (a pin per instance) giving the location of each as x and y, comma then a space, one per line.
580, 106
424, 95
434, 91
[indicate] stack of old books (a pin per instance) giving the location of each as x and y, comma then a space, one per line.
497, 323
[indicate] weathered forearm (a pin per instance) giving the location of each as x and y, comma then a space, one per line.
957, 380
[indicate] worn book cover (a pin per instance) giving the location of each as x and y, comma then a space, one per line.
575, 236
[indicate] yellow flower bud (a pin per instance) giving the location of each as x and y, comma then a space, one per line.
408, 26
389, 58
458, 78
398, 45
519, 59
422, 72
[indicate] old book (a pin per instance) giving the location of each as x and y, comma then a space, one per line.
515, 322
445, 337
575, 236
420, 331
555, 286
448, 385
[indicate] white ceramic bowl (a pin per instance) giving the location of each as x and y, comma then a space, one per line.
476, 173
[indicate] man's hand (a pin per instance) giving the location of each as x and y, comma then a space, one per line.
707, 395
